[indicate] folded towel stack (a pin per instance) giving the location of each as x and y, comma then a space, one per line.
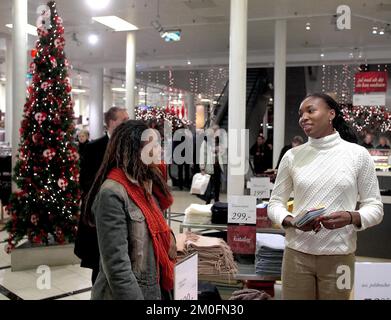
198, 214
250, 294
214, 255
269, 254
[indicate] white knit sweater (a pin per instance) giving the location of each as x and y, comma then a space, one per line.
331, 172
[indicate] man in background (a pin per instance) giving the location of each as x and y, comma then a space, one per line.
296, 141
86, 244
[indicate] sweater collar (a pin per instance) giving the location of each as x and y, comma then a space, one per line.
326, 142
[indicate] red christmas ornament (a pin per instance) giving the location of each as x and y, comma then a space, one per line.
53, 61
33, 53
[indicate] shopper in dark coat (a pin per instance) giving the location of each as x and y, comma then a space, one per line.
83, 138
296, 141
262, 155
86, 244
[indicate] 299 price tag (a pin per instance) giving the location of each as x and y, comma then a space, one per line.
242, 209
240, 217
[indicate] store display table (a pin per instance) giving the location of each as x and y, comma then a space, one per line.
247, 272
222, 227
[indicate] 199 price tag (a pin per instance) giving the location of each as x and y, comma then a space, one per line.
260, 187
242, 209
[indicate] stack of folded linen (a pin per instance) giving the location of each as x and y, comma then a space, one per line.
198, 214
269, 254
214, 255
250, 294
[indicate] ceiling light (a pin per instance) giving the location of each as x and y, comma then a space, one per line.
118, 89
115, 23
75, 90
308, 26
374, 30
98, 4
142, 93
30, 29
381, 32
3, 79
188, 62
205, 100
93, 39
322, 55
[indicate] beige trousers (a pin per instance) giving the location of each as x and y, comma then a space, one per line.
311, 277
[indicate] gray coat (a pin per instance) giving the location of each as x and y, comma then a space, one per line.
127, 263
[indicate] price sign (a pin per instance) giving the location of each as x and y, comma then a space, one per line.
186, 278
372, 281
260, 187
242, 239
242, 209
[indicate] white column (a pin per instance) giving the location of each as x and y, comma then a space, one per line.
279, 89
237, 96
96, 103
190, 107
83, 107
264, 127
130, 73
8, 93
108, 94
19, 70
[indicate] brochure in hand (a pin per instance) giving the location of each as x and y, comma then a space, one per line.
308, 216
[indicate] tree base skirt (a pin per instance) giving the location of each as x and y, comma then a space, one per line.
27, 256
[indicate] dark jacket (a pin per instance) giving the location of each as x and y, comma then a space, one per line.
367, 145
283, 151
86, 244
263, 157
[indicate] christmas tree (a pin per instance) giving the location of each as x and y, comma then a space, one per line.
45, 207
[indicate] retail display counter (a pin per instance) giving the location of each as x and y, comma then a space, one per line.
375, 242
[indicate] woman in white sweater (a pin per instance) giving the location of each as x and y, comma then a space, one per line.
326, 171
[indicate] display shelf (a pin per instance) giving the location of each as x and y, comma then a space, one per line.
247, 272
386, 199
222, 227
383, 173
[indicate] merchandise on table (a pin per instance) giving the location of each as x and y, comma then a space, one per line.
250, 294
198, 214
263, 220
220, 213
214, 255
269, 254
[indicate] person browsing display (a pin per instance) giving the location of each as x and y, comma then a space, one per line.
329, 171
126, 203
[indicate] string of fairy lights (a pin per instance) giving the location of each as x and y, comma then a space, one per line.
339, 79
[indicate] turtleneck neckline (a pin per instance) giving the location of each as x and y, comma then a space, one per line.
326, 142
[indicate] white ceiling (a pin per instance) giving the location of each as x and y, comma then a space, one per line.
205, 32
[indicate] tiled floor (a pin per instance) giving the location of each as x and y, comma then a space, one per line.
67, 282
72, 282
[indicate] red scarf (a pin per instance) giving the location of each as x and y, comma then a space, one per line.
157, 225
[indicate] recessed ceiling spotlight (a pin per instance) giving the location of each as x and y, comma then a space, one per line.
308, 26
322, 55
98, 4
93, 39
188, 62
374, 30
381, 32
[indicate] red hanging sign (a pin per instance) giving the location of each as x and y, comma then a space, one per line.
373, 81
